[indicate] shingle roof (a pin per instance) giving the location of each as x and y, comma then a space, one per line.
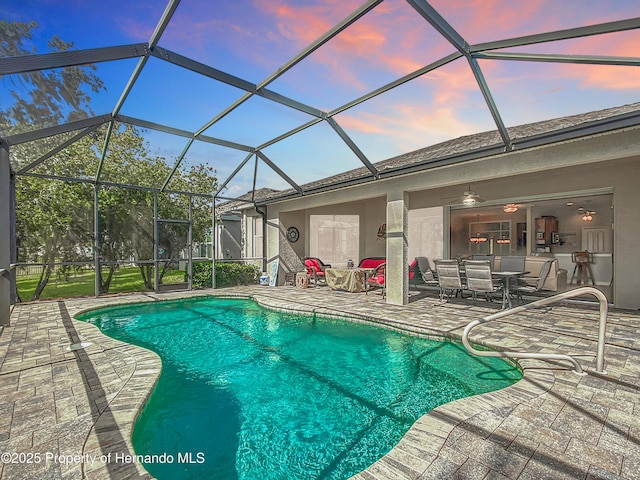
475, 146
245, 200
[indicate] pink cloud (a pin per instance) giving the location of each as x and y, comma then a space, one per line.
485, 20
606, 77
369, 124
390, 38
411, 126
443, 98
601, 76
305, 23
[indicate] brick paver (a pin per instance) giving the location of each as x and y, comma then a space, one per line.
76, 408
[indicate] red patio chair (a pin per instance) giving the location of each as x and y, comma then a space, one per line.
315, 269
376, 279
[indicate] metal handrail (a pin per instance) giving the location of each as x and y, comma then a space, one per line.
549, 356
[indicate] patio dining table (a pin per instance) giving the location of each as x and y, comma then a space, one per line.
506, 277
347, 279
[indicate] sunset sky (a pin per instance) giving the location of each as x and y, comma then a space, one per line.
251, 39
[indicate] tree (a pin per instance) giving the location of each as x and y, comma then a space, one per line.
50, 230
42, 98
131, 211
55, 218
58, 226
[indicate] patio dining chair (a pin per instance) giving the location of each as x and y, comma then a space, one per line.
479, 280
488, 258
449, 278
512, 263
429, 277
527, 288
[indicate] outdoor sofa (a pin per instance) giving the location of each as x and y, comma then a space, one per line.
556, 279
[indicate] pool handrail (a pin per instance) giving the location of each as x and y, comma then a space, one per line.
548, 356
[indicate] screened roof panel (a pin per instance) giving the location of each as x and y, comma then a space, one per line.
374, 78
297, 154
36, 156
201, 154
87, 24
173, 96
243, 180
484, 21
115, 76
99, 98
249, 39
157, 145
43, 103
435, 107
385, 44
558, 88
256, 121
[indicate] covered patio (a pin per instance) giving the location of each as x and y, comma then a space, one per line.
82, 403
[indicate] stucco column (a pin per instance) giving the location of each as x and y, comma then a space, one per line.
397, 271
5, 240
626, 260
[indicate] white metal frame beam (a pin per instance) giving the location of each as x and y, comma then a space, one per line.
432, 16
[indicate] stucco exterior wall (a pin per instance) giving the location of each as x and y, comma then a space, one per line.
607, 161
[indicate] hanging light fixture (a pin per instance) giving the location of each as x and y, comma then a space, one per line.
510, 208
503, 240
587, 216
478, 238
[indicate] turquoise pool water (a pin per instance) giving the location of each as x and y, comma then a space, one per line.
249, 393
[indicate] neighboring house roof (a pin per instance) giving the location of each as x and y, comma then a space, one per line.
472, 146
244, 201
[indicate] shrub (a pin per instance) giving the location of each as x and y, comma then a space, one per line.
227, 274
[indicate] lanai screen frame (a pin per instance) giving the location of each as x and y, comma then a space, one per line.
144, 51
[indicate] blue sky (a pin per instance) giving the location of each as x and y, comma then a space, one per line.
252, 38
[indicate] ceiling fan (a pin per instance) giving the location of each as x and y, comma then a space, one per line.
471, 198
468, 198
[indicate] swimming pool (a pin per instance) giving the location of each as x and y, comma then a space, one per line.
246, 392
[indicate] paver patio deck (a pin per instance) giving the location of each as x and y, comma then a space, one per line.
69, 413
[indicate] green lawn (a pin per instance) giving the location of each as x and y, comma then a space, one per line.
81, 284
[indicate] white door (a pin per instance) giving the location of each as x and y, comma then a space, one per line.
596, 239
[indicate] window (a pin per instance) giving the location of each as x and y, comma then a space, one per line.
256, 244
490, 238
426, 233
334, 239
